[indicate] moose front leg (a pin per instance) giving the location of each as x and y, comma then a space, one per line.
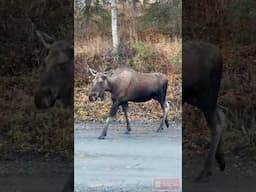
112, 113
125, 110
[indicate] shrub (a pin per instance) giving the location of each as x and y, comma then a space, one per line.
87, 18
143, 53
242, 14
165, 17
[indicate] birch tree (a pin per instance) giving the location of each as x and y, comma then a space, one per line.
114, 27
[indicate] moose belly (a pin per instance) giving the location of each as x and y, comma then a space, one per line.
140, 95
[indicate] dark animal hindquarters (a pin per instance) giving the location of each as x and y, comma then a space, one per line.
201, 76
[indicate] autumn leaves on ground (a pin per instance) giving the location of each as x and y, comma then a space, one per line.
146, 50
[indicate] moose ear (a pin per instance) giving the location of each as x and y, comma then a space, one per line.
45, 39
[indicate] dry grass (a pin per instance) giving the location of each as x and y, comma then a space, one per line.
238, 95
169, 49
95, 46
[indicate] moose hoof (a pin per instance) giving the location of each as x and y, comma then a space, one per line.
221, 163
159, 129
222, 166
101, 137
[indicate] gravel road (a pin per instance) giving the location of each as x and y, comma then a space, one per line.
125, 163
33, 174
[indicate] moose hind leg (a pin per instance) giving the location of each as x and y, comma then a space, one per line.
165, 107
112, 113
166, 118
216, 130
125, 110
219, 156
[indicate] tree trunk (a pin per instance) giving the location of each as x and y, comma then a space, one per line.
114, 26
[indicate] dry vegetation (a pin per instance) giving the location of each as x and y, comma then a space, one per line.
145, 50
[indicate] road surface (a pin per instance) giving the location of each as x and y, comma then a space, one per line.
123, 162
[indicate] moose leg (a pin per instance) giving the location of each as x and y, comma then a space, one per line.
219, 156
165, 107
125, 109
166, 118
216, 130
69, 186
112, 113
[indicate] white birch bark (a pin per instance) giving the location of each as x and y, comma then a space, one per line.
114, 26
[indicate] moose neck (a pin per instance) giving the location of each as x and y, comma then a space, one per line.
108, 85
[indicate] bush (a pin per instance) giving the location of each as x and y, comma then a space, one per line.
242, 14
88, 18
143, 53
165, 17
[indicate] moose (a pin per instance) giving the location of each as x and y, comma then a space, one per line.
56, 82
125, 85
201, 77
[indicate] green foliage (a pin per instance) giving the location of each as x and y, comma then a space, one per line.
243, 14
143, 53
244, 10
105, 20
164, 17
86, 17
